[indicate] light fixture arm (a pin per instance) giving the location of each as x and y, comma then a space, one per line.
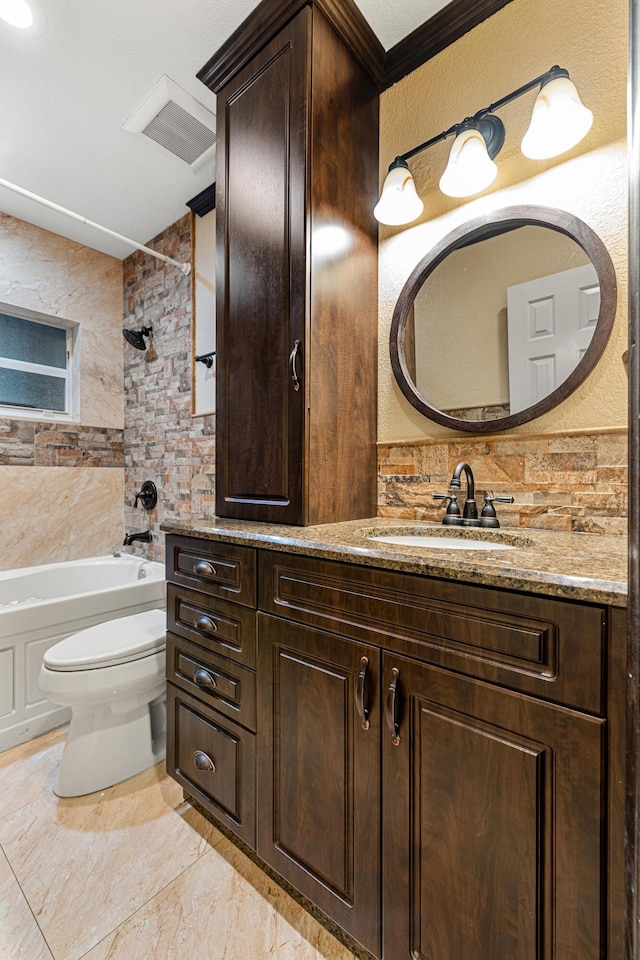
551, 74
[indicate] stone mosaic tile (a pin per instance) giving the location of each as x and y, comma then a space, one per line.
163, 442
577, 482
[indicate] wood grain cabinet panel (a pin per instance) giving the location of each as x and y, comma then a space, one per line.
218, 569
226, 686
319, 772
296, 155
214, 760
524, 642
224, 628
493, 827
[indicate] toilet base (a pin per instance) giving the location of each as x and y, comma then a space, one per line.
104, 746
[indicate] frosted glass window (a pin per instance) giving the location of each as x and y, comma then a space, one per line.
35, 363
21, 389
22, 339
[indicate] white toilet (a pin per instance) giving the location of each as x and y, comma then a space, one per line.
112, 676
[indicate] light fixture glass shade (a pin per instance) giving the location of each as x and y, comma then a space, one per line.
470, 169
399, 203
17, 13
559, 121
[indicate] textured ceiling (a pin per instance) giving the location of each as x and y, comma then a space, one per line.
67, 91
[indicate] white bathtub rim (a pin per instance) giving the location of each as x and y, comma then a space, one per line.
155, 569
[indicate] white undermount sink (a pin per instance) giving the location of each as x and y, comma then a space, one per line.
433, 537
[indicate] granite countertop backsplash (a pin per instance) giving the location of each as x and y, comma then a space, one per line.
574, 566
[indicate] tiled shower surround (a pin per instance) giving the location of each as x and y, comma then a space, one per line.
162, 441
572, 482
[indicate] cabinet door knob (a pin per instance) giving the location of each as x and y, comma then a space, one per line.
204, 569
292, 365
391, 707
204, 679
361, 705
205, 625
202, 761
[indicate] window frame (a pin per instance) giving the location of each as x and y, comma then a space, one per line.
70, 373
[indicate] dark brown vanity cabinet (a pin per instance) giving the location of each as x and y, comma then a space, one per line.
438, 766
296, 273
211, 690
493, 821
319, 771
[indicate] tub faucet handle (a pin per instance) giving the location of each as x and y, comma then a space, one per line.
148, 495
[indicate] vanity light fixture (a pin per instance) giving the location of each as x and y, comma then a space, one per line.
17, 13
559, 121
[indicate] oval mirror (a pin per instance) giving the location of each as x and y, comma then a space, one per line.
503, 319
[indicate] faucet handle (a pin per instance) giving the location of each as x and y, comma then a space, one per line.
488, 516
452, 512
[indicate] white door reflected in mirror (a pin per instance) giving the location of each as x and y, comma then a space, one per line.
551, 321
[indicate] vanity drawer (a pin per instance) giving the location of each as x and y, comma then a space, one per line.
224, 628
553, 649
226, 686
218, 569
214, 760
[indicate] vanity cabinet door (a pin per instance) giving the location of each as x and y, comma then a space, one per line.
494, 821
260, 225
319, 771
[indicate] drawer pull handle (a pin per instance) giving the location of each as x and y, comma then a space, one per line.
204, 679
204, 569
361, 706
392, 707
205, 625
202, 761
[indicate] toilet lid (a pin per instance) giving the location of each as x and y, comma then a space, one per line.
109, 643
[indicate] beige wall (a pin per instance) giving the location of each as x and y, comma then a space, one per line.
50, 512
466, 297
587, 37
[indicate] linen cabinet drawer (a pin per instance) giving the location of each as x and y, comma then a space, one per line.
224, 628
214, 760
222, 684
528, 643
218, 569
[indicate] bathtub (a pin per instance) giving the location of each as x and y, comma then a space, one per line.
40, 606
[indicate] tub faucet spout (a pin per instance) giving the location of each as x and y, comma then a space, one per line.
145, 537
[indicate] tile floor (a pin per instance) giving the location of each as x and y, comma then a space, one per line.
132, 873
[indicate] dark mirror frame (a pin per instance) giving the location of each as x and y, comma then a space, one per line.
499, 221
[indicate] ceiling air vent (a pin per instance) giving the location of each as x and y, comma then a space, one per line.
176, 121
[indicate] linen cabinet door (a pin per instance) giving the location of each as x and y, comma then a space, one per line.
319, 770
493, 831
261, 281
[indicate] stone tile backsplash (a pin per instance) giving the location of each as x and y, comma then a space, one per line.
572, 482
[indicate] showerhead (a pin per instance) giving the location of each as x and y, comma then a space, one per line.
136, 337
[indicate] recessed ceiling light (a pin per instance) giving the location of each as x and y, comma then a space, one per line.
17, 13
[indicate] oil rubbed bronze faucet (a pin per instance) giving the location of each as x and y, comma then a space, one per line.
469, 516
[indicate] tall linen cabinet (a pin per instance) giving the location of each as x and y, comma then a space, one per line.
296, 265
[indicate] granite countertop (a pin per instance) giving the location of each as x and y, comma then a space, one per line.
574, 566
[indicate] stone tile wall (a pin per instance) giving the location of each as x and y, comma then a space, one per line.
163, 442
572, 482
29, 443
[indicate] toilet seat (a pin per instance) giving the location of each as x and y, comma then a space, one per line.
110, 643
